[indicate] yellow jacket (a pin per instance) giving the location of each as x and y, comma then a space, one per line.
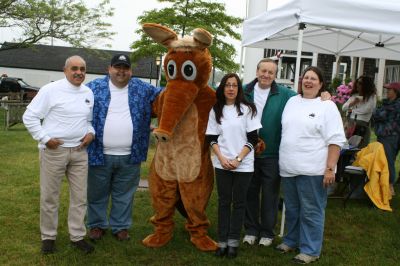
373, 160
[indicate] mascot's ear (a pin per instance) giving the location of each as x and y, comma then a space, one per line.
202, 37
159, 33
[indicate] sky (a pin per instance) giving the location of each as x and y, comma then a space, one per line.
126, 12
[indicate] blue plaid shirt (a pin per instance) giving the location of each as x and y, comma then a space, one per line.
140, 97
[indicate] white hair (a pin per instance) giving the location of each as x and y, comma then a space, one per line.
69, 59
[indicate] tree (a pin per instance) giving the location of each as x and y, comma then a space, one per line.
183, 17
67, 20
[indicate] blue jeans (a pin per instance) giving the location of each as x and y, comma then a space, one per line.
305, 201
232, 187
260, 221
391, 145
116, 179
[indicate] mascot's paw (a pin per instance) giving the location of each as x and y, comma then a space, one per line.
156, 240
204, 243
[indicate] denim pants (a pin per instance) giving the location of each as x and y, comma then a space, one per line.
260, 221
117, 180
391, 145
232, 187
305, 201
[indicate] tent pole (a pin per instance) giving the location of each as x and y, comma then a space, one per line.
241, 63
302, 26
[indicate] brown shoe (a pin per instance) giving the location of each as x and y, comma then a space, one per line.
122, 235
96, 233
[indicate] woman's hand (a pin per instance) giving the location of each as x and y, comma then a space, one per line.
355, 101
329, 177
225, 163
234, 163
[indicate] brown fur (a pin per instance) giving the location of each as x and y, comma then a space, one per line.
181, 168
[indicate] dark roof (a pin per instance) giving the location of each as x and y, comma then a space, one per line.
46, 57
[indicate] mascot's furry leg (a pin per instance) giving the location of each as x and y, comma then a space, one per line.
164, 198
195, 196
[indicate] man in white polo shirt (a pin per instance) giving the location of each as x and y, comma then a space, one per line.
59, 118
121, 119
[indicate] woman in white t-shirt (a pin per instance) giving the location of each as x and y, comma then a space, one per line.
232, 133
360, 106
312, 135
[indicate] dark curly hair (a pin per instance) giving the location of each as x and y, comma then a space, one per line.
240, 99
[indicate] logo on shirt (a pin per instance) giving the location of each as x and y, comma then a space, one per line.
87, 101
312, 115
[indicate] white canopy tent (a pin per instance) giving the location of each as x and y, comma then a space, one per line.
362, 28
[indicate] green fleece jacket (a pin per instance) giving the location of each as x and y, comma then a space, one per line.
271, 129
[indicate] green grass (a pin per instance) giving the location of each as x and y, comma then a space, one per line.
357, 235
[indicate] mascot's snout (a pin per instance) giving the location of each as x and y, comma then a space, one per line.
174, 102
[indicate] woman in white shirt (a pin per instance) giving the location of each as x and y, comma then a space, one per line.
360, 106
312, 135
232, 133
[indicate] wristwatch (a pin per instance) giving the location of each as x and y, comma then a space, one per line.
238, 159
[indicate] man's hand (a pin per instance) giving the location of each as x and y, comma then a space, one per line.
53, 143
86, 140
260, 147
325, 96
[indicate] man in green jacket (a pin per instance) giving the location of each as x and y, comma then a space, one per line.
270, 100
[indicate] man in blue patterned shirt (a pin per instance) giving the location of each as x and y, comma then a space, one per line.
121, 119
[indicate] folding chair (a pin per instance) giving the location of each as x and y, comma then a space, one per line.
355, 178
349, 176
370, 173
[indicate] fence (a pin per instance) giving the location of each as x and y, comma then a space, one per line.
13, 113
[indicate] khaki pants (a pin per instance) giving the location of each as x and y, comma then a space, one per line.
54, 165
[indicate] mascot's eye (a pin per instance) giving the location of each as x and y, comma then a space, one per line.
171, 67
189, 70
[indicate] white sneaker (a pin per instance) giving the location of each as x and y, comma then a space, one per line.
304, 258
265, 241
248, 239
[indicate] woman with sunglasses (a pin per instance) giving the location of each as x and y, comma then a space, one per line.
232, 133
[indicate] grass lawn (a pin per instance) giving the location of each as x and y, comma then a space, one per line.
357, 235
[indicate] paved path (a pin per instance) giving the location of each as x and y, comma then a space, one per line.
143, 184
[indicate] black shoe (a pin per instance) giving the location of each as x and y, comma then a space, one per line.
83, 245
48, 246
220, 252
232, 252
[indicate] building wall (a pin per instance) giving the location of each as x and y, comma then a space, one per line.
370, 67
325, 63
39, 78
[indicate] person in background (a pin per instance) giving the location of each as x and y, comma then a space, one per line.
360, 106
263, 193
312, 136
121, 119
232, 133
65, 108
387, 127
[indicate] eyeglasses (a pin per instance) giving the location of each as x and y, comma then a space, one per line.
228, 85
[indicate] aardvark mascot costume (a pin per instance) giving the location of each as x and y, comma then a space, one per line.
181, 171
